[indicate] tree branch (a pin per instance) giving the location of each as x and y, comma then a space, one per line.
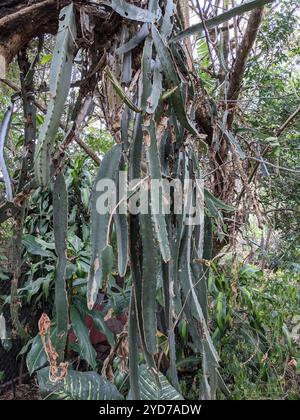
24, 12
242, 55
287, 122
19, 23
43, 109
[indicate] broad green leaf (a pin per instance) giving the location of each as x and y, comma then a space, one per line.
98, 320
34, 247
44, 244
36, 357
100, 323
87, 351
32, 288
149, 390
77, 386
25, 348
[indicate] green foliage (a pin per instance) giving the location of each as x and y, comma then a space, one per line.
2, 376
274, 97
257, 321
179, 302
151, 391
36, 358
77, 386
85, 349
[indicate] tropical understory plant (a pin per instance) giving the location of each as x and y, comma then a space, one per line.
124, 96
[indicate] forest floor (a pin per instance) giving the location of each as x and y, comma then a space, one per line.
265, 369
21, 392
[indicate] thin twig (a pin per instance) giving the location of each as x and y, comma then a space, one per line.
295, 171
43, 109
